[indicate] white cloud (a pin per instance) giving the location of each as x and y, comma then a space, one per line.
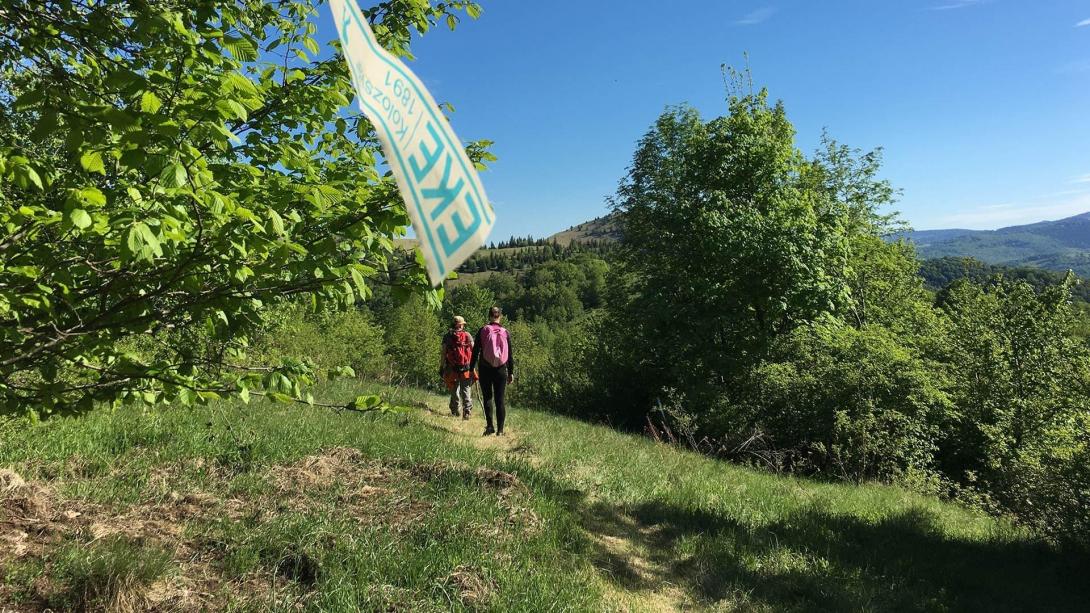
989, 217
1083, 23
758, 16
1083, 179
957, 4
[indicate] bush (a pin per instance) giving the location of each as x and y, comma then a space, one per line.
1022, 388
857, 404
413, 335
329, 340
531, 364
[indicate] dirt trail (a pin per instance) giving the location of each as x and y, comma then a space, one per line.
470, 430
634, 570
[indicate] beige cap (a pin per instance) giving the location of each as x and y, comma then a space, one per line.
458, 319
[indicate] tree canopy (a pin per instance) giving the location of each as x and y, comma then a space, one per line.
167, 171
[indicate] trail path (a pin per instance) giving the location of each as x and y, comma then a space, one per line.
634, 573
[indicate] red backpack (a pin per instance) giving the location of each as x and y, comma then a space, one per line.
459, 350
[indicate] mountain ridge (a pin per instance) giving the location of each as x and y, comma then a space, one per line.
1057, 245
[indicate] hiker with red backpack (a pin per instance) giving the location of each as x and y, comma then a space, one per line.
494, 361
455, 367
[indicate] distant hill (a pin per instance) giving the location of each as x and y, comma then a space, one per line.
1053, 245
605, 228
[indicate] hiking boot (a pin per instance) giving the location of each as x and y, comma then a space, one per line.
454, 412
465, 416
499, 433
488, 430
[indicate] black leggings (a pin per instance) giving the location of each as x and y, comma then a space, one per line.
493, 383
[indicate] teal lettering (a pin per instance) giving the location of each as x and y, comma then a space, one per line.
430, 157
444, 193
462, 233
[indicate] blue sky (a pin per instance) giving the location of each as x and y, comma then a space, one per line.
981, 105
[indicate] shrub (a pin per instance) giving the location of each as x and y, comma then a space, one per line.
1022, 388
329, 339
413, 336
857, 404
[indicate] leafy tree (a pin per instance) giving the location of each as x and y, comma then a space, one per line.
173, 166
727, 243
941, 272
472, 302
504, 287
552, 292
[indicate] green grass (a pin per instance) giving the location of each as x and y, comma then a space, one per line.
602, 521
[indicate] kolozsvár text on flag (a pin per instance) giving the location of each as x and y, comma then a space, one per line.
442, 192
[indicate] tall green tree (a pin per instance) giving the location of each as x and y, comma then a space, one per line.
726, 244
472, 302
176, 165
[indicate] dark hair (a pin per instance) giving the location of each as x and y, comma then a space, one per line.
495, 312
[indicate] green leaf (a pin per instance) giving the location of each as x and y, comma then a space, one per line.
150, 103
173, 175
92, 196
367, 402
242, 49
92, 162
232, 108
276, 221
133, 241
25, 176
240, 83
358, 279
311, 45
142, 242
79, 218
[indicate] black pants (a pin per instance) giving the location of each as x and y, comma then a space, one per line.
493, 383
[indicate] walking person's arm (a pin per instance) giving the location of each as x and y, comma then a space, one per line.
476, 351
443, 356
510, 359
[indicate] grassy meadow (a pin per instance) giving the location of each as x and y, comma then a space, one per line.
288, 507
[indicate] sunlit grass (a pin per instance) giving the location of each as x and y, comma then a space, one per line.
605, 520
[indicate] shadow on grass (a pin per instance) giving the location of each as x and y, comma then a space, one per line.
812, 560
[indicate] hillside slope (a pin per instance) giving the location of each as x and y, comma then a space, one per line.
274, 507
605, 228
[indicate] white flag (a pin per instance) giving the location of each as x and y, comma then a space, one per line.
444, 196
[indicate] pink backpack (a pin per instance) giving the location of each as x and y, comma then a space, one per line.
494, 345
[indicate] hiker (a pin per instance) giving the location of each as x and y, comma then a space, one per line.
455, 367
494, 361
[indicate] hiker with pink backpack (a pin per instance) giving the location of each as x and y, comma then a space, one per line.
494, 361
